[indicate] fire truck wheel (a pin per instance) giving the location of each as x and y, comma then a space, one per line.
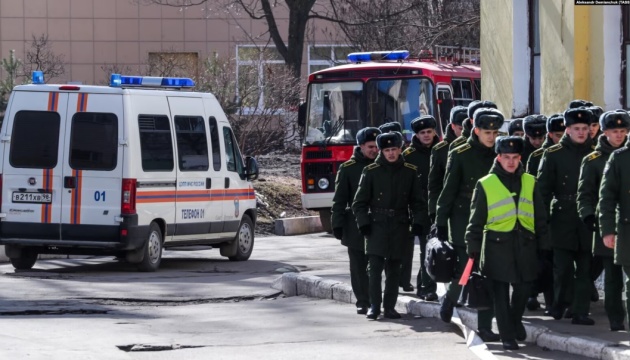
324, 217
152, 250
25, 261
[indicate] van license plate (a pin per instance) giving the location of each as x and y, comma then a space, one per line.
32, 197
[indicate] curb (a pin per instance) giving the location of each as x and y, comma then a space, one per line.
297, 225
293, 284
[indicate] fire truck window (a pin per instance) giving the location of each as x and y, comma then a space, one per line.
462, 91
477, 89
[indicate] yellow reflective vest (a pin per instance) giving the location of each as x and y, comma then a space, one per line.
502, 209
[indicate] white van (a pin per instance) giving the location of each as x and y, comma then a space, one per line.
123, 170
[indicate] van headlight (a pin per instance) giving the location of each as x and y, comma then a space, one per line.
323, 183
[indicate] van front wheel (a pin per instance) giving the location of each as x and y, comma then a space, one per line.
152, 250
25, 261
244, 240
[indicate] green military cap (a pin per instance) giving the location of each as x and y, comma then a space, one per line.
515, 125
615, 119
367, 134
574, 104
597, 112
390, 126
423, 122
535, 125
478, 104
555, 123
488, 119
390, 139
581, 115
509, 145
458, 114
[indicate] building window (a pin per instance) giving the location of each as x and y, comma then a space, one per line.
256, 65
324, 56
625, 51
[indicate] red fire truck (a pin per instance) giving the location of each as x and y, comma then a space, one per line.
372, 89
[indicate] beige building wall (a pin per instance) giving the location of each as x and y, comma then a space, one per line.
96, 33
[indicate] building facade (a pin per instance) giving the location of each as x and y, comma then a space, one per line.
538, 55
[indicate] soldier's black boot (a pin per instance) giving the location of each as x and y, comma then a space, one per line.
556, 312
431, 296
617, 326
374, 312
362, 310
446, 309
488, 336
391, 314
533, 304
510, 345
582, 320
521, 334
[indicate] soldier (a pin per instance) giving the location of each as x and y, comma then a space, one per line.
439, 154
419, 154
555, 131
466, 164
615, 125
390, 127
614, 210
535, 127
594, 129
515, 128
389, 190
508, 225
468, 125
574, 104
570, 238
343, 221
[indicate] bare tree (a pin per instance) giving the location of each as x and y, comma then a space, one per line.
40, 56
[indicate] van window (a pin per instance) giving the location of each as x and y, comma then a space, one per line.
216, 147
192, 144
233, 155
35, 140
156, 143
94, 141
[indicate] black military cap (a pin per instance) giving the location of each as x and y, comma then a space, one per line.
390, 126
579, 115
367, 134
535, 125
423, 122
467, 124
515, 125
597, 112
477, 104
555, 123
574, 104
615, 119
509, 145
488, 119
390, 139
458, 114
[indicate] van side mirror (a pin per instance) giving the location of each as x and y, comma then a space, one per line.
233, 106
251, 168
302, 114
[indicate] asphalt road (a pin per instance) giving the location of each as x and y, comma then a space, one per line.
199, 305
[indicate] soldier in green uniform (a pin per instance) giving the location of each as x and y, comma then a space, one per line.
508, 225
614, 210
615, 125
571, 240
555, 132
595, 130
515, 128
466, 164
439, 155
389, 198
343, 221
419, 154
535, 127
468, 123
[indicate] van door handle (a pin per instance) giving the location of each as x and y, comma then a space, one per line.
227, 183
208, 183
69, 182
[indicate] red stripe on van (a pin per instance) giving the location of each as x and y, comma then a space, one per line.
82, 102
75, 202
46, 214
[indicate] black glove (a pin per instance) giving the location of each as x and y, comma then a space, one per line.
442, 233
591, 222
365, 230
416, 230
338, 232
432, 218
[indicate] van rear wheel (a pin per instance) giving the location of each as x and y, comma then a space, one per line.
244, 240
25, 261
152, 250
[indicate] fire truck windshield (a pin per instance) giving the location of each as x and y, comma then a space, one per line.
336, 111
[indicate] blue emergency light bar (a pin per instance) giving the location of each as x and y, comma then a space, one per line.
378, 55
117, 80
38, 77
